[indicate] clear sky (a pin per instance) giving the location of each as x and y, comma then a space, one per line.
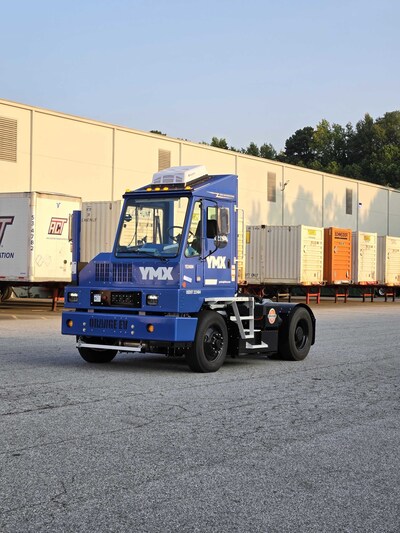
254, 70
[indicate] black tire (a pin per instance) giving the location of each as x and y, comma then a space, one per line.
295, 339
97, 355
210, 344
5, 293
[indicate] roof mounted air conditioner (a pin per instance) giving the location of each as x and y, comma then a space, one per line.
179, 174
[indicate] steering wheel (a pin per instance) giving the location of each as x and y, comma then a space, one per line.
176, 238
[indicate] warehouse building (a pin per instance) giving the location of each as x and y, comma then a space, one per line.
42, 150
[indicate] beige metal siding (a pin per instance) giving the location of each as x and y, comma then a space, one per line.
136, 159
99, 161
241, 236
216, 161
364, 257
99, 222
394, 214
388, 260
255, 253
285, 254
253, 192
15, 175
372, 209
72, 156
302, 197
335, 192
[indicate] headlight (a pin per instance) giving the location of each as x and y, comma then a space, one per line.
152, 299
73, 297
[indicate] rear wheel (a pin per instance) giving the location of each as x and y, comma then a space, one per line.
97, 355
295, 341
5, 293
210, 344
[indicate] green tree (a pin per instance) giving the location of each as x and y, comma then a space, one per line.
299, 147
385, 160
330, 146
253, 149
219, 143
267, 151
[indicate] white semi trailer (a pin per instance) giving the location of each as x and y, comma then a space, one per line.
34, 240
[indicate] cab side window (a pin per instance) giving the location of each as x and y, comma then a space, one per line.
212, 222
193, 245
217, 221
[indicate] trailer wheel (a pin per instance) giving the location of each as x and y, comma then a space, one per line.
210, 344
5, 293
96, 355
295, 341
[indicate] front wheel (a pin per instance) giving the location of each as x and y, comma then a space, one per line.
96, 355
295, 341
210, 344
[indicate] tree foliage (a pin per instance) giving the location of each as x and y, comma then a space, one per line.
219, 143
370, 151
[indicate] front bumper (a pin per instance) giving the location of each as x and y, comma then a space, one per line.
129, 327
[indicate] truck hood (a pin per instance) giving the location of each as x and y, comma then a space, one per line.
107, 270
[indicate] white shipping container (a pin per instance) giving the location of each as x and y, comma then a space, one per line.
388, 262
284, 254
34, 244
364, 250
99, 222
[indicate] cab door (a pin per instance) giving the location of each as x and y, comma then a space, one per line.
219, 248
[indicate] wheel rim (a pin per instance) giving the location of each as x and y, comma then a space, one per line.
301, 334
213, 343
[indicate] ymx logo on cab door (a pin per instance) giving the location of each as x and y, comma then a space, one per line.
56, 226
4, 222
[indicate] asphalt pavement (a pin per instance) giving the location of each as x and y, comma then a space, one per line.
145, 445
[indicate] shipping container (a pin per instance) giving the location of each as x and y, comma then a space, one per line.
337, 255
284, 255
99, 222
388, 262
364, 257
34, 237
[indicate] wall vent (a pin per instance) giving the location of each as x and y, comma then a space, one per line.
8, 139
271, 191
349, 201
164, 159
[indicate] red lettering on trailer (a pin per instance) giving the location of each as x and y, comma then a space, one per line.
56, 226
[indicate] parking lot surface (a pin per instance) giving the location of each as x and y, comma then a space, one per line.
144, 445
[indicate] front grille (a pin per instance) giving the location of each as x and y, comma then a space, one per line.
122, 273
113, 272
102, 272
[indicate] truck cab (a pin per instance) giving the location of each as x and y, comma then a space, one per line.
170, 284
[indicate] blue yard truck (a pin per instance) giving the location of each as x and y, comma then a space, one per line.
170, 283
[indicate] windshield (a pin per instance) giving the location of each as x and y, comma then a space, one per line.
152, 227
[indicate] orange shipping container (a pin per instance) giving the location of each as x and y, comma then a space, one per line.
337, 255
